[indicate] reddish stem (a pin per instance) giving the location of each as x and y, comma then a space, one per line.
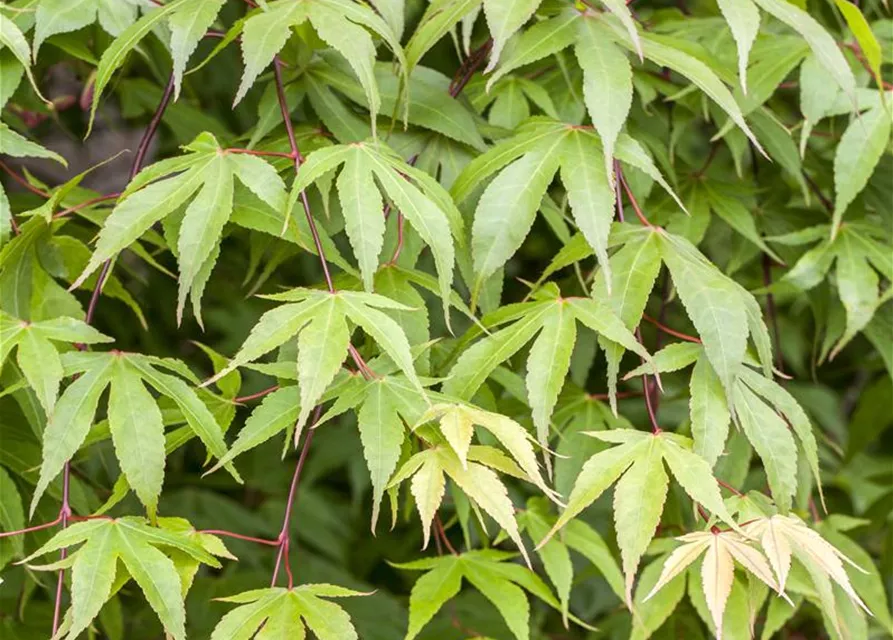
38, 527
467, 69
27, 185
669, 331
726, 485
86, 204
632, 198
239, 536
299, 160
253, 152
438, 526
283, 542
649, 403
254, 396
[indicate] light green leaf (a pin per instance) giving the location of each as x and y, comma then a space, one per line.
505, 596
322, 347
41, 366
16, 145
673, 357
431, 591
439, 18
772, 440
382, 434
137, 432
427, 488
68, 425
607, 85
820, 41
712, 302
188, 27
507, 208
361, 206
277, 412
121, 46
638, 504
709, 409
548, 364
92, 578
858, 153
743, 18
588, 181
539, 41
599, 317
868, 43
504, 18
12, 38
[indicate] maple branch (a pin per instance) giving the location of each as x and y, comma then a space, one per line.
299, 160
662, 327
818, 192
726, 485
468, 67
283, 541
65, 510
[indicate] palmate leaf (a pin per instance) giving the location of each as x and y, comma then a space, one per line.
37, 356
287, 613
554, 319
130, 540
502, 583
423, 202
60, 16
188, 21
721, 550
639, 497
320, 321
341, 24
206, 172
134, 420
784, 538
506, 210
474, 473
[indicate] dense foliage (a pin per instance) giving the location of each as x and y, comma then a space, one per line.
364, 311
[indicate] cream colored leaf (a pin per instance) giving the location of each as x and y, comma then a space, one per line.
457, 428
717, 575
427, 488
681, 558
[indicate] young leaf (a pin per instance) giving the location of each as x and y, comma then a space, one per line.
744, 21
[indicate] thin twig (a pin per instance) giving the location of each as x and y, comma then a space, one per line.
632, 198
27, 185
87, 203
438, 525
254, 396
669, 331
649, 405
239, 536
283, 542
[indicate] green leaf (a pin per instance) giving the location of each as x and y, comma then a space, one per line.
773, 442
431, 591
868, 43
322, 347
69, 424
858, 153
607, 86
13, 144
638, 503
820, 41
277, 412
712, 302
744, 21
137, 432
188, 27
113, 57
41, 367
588, 181
505, 596
599, 317
543, 39
503, 21
548, 364
709, 409
361, 205
382, 434
12, 38
439, 18
507, 208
